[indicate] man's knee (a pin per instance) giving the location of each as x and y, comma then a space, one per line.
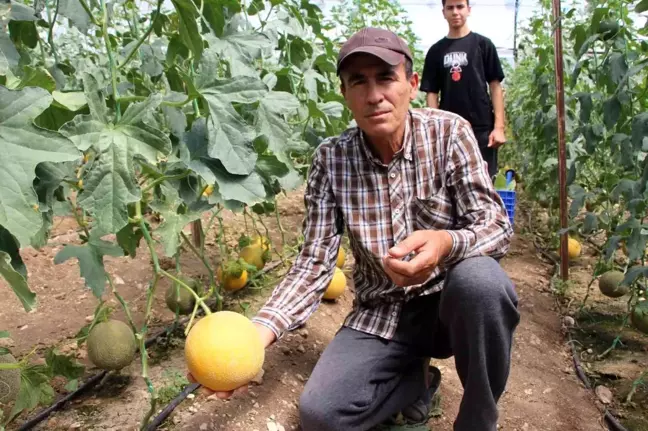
313, 412
478, 285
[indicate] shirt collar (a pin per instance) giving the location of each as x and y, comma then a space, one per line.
408, 142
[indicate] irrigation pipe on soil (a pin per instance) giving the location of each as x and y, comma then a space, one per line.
94, 380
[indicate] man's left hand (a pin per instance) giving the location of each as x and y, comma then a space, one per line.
496, 138
431, 248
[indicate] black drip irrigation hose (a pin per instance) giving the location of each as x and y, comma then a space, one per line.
155, 423
611, 421
92, 381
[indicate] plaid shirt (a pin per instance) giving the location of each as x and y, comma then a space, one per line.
437, 180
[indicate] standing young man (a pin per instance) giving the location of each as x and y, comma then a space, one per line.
461, 68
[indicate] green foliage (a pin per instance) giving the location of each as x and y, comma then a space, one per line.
606, 82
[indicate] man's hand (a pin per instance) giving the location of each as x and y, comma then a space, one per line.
496, 138
430, 247
267, 337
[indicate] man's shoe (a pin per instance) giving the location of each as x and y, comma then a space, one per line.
420, 411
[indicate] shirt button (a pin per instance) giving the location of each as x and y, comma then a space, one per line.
392, 175
396, 212
394, 314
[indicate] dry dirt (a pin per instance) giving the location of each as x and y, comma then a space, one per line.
543, 392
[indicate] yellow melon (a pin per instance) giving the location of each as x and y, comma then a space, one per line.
336, 286
340, 258
224, 351
574, 248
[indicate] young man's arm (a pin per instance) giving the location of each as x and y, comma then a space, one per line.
494, 77
432, 100
497, 136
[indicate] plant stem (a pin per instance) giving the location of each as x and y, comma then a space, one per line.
129, 317
207, 229
111, 59
164, 178
89, 12
141, 40
52, 21
200, 256
195, 102
149, 384
9, 366
78, 219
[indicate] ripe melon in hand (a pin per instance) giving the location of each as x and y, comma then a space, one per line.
111, 345
224, 351
336, 286
9, 384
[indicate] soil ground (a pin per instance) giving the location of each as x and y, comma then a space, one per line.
543, 392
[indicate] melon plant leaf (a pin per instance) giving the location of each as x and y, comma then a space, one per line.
91, 265
23, 146
9, 245
72, 10
611, 112
34, 389
642, 6
271, 123
95, 99
241, 50
174, 221
63, 365
17, 282
9, 56
129, 238
189, 32
21, 12
633, 274
37, 77
618, 67
111, 184
136, 111
4, 334
72, 101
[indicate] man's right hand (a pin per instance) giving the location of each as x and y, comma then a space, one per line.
267, 337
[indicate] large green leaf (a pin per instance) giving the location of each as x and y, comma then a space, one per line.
611, 112
91, 265
17, 282
271, 123
72, 101
23, 146
110, 187
639, 130
218, 12
174, 220
189, 32
37, 77
9, 56
230, 137
72, 10
642, 6
95, 99
241, 50
34, 388
618, 67
23, 32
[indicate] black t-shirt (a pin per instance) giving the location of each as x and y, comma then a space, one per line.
460, 70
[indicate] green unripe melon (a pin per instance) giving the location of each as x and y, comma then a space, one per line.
609, 284
182, 299
9, 384
639, 316
111, 345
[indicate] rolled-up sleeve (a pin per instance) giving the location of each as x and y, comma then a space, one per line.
482, 227
300, 292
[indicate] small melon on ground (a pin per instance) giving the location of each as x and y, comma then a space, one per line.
609, 284
340, 258
9, 384
336, 286
180, 297
574, 248
224, 351
639, 316
111, 345
235, 277
256, 255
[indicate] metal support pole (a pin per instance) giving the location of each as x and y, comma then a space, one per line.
562, 159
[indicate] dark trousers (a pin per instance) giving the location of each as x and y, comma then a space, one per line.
488, 154
361, 380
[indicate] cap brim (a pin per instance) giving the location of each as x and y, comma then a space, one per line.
390, 57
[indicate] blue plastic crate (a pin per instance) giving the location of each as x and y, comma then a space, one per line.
508, 196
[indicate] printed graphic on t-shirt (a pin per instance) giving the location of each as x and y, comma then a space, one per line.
454, 61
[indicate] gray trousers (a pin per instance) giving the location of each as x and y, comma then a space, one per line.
361, 380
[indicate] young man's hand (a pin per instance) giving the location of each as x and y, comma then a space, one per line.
496, 138
431, 248
267, 337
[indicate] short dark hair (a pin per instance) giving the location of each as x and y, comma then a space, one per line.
443, 2
409, 67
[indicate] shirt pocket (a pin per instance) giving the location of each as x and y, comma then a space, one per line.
431, 205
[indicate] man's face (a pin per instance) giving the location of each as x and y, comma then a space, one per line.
377, 94
456, 12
